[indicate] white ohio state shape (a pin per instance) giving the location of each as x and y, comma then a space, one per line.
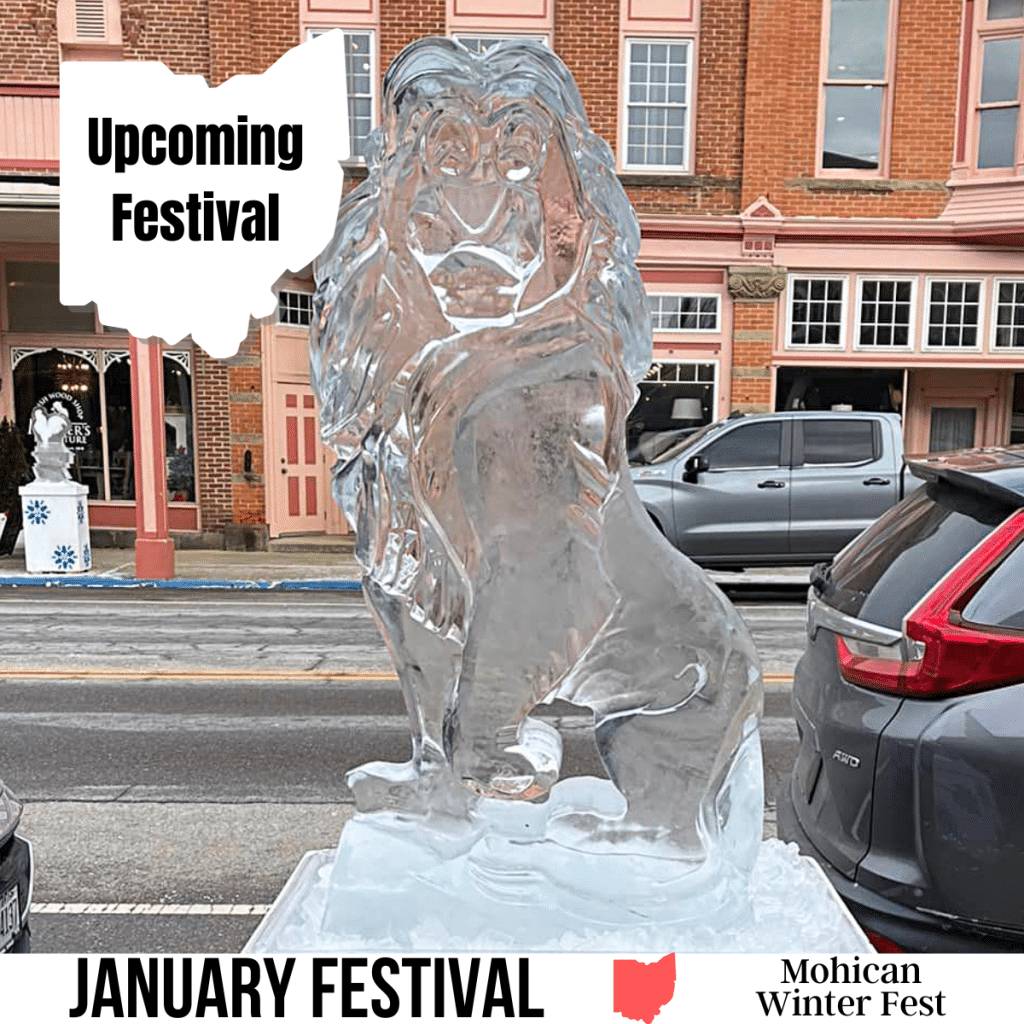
209, 289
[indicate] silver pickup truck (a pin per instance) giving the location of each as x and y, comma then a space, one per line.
786, 488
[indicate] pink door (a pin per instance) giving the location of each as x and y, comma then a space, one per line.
299, 462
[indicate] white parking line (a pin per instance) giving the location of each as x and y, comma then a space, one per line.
156, 909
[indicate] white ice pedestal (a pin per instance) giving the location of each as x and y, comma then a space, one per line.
56, 526
794, 911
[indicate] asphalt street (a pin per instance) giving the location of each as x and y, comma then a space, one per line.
178, 753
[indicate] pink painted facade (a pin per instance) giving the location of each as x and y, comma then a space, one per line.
767, 168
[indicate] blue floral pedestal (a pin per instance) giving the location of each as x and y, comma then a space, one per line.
56, 525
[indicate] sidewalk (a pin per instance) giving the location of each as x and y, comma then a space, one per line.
301, 565
203, 569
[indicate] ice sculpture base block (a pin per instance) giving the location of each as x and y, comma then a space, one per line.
792, 909
56, 525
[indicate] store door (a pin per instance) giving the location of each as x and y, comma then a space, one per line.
297, 470
953, 409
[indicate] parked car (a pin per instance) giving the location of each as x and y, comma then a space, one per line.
15, 878
909, 704
787, 488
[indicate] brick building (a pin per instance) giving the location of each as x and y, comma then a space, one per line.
831, 194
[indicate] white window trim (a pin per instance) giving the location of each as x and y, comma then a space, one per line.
312, 31
690, 42
716, 363
911, 326
983, 312
994, 316
294, 291
538, 37
717, 329
844, 314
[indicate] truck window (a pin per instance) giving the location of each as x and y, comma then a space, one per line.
827, 442
754, 446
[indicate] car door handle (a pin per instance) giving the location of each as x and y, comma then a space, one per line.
771, 483
877, 481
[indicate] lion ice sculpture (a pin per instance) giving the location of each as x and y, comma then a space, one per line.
480, 325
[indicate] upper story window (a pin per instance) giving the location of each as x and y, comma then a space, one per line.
816, 310
884, 313
1009, 332
954, 310
683, 312
359, 80
856, 90
481, 42
999, 85
294, 308
658, 104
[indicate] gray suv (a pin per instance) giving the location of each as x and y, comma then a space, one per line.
909, 704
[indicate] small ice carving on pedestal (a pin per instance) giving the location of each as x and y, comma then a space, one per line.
480, 329
53, 505
50, 454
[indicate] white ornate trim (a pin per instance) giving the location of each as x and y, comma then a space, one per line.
111, 356
183, 359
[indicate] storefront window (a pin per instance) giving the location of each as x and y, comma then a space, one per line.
675, 400
99, 405
181, 477
33, 302
120, 453
1017, 421
57, 382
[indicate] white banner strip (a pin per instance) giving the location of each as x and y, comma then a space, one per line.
591, 988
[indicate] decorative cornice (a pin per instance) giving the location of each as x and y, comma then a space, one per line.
133, 22
756, 283
44, 18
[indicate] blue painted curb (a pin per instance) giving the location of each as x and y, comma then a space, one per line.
118, 581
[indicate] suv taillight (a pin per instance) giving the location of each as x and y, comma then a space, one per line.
941, 655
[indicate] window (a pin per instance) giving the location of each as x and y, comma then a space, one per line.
482, 43
675, 400
756, 446
816, 311
1000, 84
1009, 314
838, 442
360, 84
999, 602
1017, 412
295, 308
856, 87
953, 311
93, 389
683, 312
657, 103
884, 314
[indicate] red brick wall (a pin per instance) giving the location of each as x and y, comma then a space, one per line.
245, 387
275, 30
213, 433
404, 21
753, 328
28, 41
587, 39
173, 31
782, 95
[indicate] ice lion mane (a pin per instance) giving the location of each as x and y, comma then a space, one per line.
480, 326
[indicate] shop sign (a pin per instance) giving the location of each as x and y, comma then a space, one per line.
58, 403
